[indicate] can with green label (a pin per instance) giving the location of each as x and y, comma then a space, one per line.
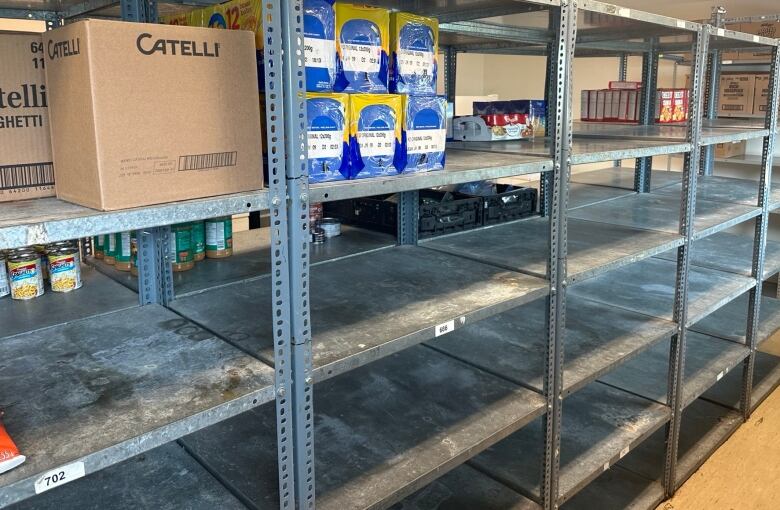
122, 255
182, 256
199, 240
109, 249
219, 237
97, 247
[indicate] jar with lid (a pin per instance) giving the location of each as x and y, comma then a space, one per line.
5, 288
122, 255
199, 240
109, 249
24, 274
97, 247
182, 256
64, 266
219, 237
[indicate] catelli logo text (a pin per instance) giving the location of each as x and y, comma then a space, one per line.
147, 45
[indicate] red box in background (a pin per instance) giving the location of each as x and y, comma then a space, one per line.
584, 105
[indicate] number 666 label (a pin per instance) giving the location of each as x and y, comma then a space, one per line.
59, 476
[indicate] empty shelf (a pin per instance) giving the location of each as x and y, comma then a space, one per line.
383, 431
602, 424
730, 322
648, 287
514, 344
593, 248
101, 390
623, 178
617, 489
368, 306
723, 189
766, 377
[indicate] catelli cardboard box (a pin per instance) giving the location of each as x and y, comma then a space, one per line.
25, 146
761, 95
736, 95
145, 114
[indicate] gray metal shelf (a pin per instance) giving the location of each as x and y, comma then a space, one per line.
462, 166
98, 391
648, 287
369, 306
594, 248
618, 488
252, 259
598, 338
430, 411
707, 361
732, 253
622, 177
658, 211
727, 321
45, 220
99, 295
164, 478
603, 424
723, 189
766, 378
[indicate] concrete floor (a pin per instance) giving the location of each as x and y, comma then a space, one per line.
744, 473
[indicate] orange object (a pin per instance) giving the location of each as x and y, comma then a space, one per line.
9, 453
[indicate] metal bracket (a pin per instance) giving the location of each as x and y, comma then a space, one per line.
143, 11
408, 217
155, 275
450, 73
644, 166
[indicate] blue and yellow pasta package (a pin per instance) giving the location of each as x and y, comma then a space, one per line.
319, 30
375, 132
328, 136
414, 45
425, 132
362, 45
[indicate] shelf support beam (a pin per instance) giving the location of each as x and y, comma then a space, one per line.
408, 217
647, 106
560, 62
759, 239
687, 214
155, 274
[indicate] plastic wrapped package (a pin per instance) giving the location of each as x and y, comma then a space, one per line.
362, 46
414, 45
425, 132
375, 135
328, 136
319, 30
9, 453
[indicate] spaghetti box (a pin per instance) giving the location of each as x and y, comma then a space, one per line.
319, 30
761, 95
375, 135
425, 124
625, 85
328, 136
736, 95
25, 158
140, 115
414, 45
584, 104
362, 46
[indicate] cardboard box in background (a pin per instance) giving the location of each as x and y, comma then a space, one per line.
25, 146
761, 95
765, 29
728, 150
184, 128
736, 95
584, 104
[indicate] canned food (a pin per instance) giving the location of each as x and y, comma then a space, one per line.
134, 253
122, 255
5, 289
97, 247
24, 274
64, 267
199, 240
219, 237
109, 247
182, 256
331, 226
40, 249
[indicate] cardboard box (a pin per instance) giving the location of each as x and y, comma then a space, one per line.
736, 95
625, 85
728, 150
664, 106
601, 98
584, 104
761, 95
25, 146
146, 114
769, 29
593, 99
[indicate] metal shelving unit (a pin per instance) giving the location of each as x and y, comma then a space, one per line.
371, 371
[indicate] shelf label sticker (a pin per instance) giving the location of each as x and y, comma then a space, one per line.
606, 466
681, 23
756, 38
445, 327
59, 476
721, 32
720, 376
624, 452
626, 13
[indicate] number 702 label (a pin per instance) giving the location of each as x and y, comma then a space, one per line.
59, 476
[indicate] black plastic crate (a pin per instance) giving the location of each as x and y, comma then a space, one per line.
509, 203
441, 212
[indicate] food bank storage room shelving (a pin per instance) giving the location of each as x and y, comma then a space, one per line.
593, 355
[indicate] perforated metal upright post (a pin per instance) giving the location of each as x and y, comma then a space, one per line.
280, 262
622, 76
759, 239
408, 217
550, 94
647, 107
712, 91
294, 100
144, 11
563, 55
687, 213
450, 73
